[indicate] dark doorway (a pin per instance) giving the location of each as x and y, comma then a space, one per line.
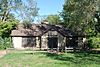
52, 42
71, 42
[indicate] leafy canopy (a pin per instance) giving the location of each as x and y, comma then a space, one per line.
78, 14
53, 19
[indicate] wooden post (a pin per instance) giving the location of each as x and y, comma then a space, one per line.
66, 44
40, 42
58, 48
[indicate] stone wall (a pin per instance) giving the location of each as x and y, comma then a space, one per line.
44, 41
61, 40
25, 42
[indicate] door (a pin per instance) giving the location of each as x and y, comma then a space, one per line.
52, 42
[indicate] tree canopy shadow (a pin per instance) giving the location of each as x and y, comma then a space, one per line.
77, 58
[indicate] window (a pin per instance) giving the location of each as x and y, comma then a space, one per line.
28, 41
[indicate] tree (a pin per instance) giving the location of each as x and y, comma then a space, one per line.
26, 10
7, 20
22, 9
78, 14
6, 27
53, 19
9, 9
39, 18
97, 21
6, 8
3, 10
7, 23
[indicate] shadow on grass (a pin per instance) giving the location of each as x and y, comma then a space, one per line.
77, 58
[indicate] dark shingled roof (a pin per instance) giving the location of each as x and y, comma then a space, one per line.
40, 29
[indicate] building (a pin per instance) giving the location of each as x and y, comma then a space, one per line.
43, 36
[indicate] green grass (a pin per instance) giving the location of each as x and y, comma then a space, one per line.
41, 59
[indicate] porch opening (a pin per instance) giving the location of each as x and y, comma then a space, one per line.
52, 42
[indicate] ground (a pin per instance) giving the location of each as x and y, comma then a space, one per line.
44, 59
2, 53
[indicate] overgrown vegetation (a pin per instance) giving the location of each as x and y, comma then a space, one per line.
80, 16
83, 17
9, 9
5, 43
53, 19
94, 42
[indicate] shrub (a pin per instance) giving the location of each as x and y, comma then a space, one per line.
5, 43
94, 42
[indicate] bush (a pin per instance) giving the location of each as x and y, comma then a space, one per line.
5, 43
94, 42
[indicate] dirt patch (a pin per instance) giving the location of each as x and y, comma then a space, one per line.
2, 53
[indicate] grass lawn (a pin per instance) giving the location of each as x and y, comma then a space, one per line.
42, 59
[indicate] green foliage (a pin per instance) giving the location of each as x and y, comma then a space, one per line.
97, 21
5, 43
83, 16
53, 19
91, 32
7, 22
6, 27
25, 10
78, 14
94, 42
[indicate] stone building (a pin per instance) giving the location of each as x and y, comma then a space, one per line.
43, 36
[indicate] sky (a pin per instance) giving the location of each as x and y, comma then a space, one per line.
48, 7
